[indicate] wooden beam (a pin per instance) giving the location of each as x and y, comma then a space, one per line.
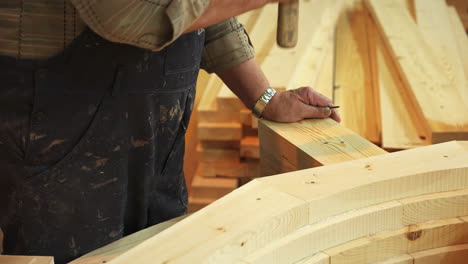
4, 259
436, 26
282, 66
428, 85
361, 223
457, 254
461, 38
311, 143
410, 239
250, 147
355, 92
221, 131
268, 209
403, 259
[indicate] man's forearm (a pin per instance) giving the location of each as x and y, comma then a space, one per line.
220, 10
246, 80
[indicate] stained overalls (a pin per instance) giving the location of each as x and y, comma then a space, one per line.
92, 143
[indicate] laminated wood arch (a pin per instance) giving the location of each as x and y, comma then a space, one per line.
399, 189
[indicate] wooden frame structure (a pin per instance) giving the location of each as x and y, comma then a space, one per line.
409, 205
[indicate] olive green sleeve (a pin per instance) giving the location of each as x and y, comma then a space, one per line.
227, 44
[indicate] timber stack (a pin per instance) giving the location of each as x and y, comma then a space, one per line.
397, 68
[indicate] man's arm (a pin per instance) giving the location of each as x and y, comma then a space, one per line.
248, 82
220, 10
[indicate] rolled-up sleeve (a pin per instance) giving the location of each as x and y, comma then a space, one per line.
147, 24
227, 44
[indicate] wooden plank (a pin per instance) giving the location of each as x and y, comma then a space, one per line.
311, 143
225, 131
196, 204
212, 188
405, 240
330, 193
337, 230
319, 258
355, 92
217, 154
120, 246
403, 259
343, 228
226, 169
457, 254
436, 26
268, 209
315, 68
462, 9
93, 259
250, 147
460, 37
435, 206
5, 259
398, 130
219, 236
428, 87
281, 65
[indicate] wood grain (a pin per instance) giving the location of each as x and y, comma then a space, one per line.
437, 108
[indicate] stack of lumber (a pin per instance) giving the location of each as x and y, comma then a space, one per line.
397, 68
382, 209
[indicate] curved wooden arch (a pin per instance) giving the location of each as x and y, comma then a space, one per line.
270, 209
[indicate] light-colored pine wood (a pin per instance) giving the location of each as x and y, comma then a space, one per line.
461, 38
403, 259
250, 147
332, 232
332, 193
325, 79
118, 247
398, 130
225, 131
92, 260
343, 228
268, 209
224, 169
402, 241
315, 67
217, 154
355, 93
436, 105
5, 259
196, 204
435, 206
311, 143
281, 64
457, 254
319, 258
212, 188
436, 26
462, 9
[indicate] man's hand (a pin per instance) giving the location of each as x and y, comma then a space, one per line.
299, 104
248, 82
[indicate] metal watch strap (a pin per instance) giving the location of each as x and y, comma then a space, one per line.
263, 101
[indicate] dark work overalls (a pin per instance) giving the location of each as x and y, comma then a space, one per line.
92, 143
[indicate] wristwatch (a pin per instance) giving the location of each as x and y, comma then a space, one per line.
263, 101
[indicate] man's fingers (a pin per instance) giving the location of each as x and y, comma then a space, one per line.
309, 111
335, 115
